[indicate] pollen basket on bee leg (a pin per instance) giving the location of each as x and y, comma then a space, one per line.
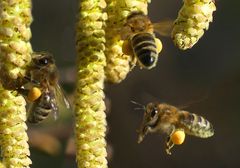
33, 94
178, 137
159, 45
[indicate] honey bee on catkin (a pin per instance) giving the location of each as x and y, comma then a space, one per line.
140, 41
42, 89
175, 123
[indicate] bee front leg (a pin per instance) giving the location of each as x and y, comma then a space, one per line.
32, 80
23, 91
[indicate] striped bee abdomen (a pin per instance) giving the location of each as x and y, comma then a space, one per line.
144, 47
40, 109
195, 125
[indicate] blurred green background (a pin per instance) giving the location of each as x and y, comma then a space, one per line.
209, 72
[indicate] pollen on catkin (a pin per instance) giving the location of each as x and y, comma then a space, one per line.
193, 18
90, 117
119, 64
15, 33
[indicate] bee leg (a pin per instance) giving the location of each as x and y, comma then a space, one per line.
31, 94
169, 145
34, 94
133, 62
32, 80
126, 48
23, 91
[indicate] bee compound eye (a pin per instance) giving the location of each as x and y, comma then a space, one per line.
154, 112
43, 61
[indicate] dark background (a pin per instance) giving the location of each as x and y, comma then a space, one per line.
208, 73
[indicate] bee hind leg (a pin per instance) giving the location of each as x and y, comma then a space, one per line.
169, 145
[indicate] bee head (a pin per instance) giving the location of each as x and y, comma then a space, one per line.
150, 120
42, 59
151, 114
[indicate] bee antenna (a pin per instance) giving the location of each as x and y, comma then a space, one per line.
139, 108
142, 107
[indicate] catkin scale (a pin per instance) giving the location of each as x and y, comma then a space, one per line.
193, 18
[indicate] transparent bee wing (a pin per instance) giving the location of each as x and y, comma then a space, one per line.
59, 102
190, 103
61, 98
164, 28
55, 108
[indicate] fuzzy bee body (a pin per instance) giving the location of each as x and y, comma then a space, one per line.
145, 49
43, 74
165, 118
138, 33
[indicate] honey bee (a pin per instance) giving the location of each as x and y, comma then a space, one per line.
42, 78
139, 38
165, 118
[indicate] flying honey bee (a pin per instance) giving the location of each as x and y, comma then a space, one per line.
139, 38
167, 119
42, 88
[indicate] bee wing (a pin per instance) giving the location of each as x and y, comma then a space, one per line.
60, 97
164, 28
60, 102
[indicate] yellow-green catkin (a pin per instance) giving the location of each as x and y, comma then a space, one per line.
2, 165
15, 54
15, 33
193, 18
118, 64
13, 136
90, 117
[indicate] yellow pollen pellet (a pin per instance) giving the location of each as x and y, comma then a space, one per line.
34, 94
158, 44
178, 137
